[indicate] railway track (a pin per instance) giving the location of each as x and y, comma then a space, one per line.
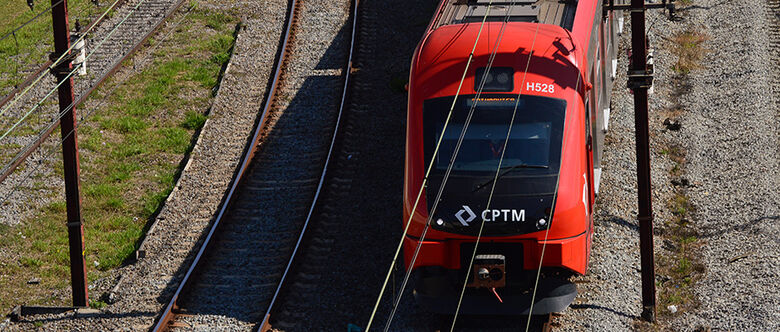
774, 42
126, 36
241, 266
337, 275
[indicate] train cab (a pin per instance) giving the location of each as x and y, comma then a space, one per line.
505, 129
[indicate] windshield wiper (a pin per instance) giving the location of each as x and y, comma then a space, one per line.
508, 169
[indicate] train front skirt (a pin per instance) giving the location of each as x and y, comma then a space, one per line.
438, 291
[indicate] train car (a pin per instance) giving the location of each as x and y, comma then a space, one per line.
547, 182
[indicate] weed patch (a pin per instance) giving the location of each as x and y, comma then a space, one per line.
687, 46
678, 265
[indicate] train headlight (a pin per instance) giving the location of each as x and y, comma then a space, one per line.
502, 78
497, 79
541, 223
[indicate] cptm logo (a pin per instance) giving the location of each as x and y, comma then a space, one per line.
489, 215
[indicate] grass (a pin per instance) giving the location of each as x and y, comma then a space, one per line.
687, 46
678, 265
131, 155
677, 155
193, 120
7, 152
33, 42
97, 304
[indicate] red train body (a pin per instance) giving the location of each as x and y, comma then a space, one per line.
548, 178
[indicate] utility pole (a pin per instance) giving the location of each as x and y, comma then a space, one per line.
640, 79
70, 153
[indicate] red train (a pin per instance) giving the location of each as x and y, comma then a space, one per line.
551, 166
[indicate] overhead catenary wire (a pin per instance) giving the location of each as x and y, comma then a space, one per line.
16, 64
453, 158
445, 178
70, 74
58, 60
552, 209
427, 173
104, 100
503, 152
447, 173
457, 148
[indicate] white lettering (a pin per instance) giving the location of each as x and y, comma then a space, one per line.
494, 215
540, 87
518, 216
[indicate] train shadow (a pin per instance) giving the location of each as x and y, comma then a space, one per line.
617, 220
312, 106
753, 226
603, 308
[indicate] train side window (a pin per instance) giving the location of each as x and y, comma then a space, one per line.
587, 124
593, 105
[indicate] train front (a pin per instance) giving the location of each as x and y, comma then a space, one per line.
540, 202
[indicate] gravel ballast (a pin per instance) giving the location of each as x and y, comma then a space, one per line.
105, 44
731, 133
237, 277
144, 287
729, 130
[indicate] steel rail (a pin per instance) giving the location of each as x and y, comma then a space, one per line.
265, 325
547, 323
168, 314
45, 133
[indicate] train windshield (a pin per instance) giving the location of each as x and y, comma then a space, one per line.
533, 147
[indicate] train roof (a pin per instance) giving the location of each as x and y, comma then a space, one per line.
575, 16
439, 64
554, 12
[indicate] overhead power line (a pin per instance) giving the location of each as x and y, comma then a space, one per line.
102, 103
73, 71
57, 61
427, 173
13, 32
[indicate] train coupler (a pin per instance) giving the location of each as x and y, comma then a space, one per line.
489, 271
